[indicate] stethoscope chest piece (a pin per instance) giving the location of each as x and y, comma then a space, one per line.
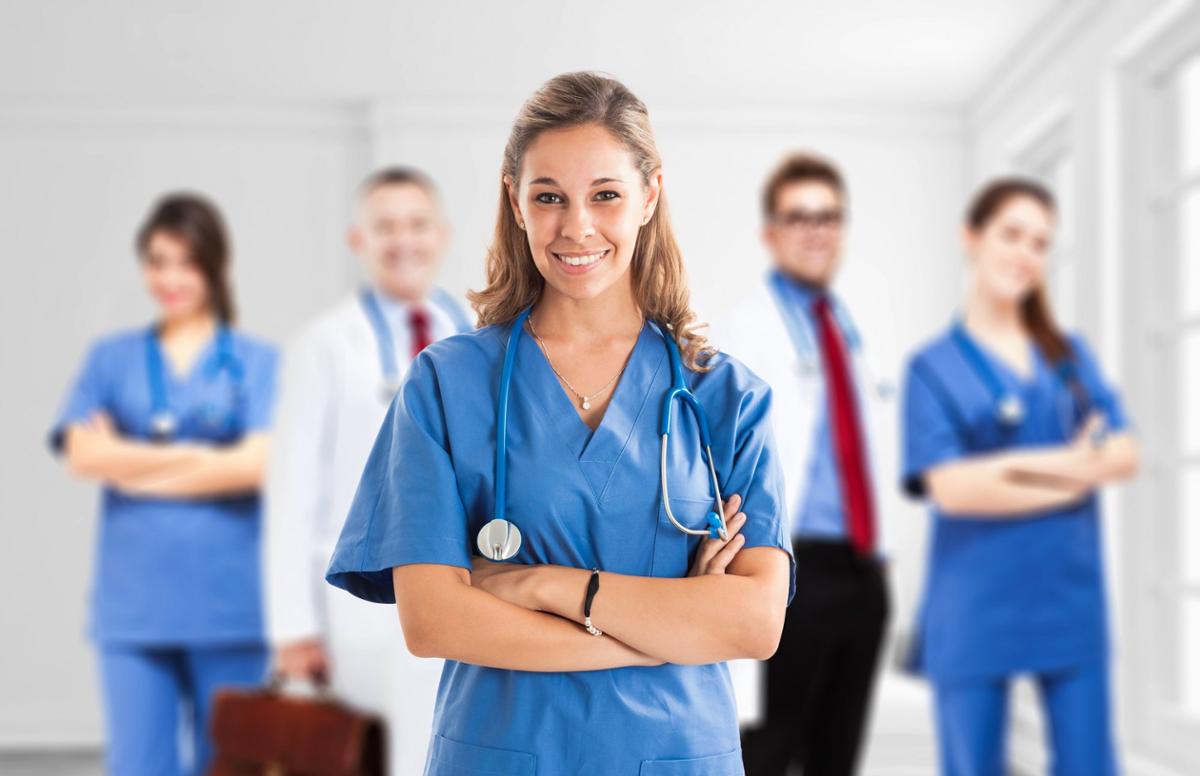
1010, 411
162, 425
499, 540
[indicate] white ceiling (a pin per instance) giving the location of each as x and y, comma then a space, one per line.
910, 52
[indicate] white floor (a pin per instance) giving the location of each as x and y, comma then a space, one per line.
900, 742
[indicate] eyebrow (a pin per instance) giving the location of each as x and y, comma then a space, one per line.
552, 182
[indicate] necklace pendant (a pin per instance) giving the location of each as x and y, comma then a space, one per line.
587, 405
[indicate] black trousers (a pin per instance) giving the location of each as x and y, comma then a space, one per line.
819, 683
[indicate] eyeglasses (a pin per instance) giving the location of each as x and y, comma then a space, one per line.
809, 219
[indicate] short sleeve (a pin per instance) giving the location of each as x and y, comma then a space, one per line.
87, 395
929, 433
407, 508
1101, 393
756, 475
261, 385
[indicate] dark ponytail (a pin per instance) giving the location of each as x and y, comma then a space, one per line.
1035, 307
197, 222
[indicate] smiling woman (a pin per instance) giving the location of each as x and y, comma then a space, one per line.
606, 615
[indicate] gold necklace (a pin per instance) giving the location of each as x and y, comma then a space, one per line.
585, 399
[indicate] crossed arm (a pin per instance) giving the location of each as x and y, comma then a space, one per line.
94, 450
1020, 482
527, 617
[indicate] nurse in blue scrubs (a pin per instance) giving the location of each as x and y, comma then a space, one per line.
597, 646
1010, 430
171, 420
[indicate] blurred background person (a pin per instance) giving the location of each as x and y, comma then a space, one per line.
340, 376
172, 420
1010, 429
793, 331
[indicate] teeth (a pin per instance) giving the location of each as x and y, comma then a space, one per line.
580, 261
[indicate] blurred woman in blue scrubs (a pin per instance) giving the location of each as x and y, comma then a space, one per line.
1010, 429
530, 685
171, 419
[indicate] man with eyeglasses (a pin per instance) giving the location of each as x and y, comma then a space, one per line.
796, 334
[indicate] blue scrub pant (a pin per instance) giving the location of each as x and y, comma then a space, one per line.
971, 718
156, 699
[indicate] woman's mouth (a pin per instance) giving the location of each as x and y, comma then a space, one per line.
576, 262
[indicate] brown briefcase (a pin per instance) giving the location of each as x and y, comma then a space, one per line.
266, 733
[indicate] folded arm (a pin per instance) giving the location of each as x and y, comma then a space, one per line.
94, 450
444, 616
730, 606
1019, 482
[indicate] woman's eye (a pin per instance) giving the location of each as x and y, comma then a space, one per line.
546, 198
607, 196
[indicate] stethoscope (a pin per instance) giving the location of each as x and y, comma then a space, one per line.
1007, 406
388, 367
163, 423
500, 539
804, 341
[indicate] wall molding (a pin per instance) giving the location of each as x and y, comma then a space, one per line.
1039, 46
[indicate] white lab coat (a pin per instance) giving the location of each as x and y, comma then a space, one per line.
754, 332
329, 413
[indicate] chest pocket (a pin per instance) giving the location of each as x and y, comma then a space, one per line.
728, 764
673, 549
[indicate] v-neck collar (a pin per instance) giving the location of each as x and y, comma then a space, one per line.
1001, 366
598, 451
199, 362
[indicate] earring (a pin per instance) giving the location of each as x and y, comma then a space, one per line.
521, 225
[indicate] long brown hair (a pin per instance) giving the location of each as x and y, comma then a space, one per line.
195, 220
1036, 313
659, 280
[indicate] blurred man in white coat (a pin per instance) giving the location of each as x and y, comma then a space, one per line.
798, 336
340, 376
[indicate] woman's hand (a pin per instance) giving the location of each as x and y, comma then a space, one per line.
96, 435
1092, 435
715, 555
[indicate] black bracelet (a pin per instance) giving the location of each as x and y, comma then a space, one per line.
593, 586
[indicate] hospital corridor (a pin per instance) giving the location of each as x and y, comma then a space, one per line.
680, 389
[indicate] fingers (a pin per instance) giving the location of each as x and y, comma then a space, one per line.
723, 558
734, 525
715, 554
732, 504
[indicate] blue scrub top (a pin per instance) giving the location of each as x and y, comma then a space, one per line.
176, 571
1014, 594
582, 499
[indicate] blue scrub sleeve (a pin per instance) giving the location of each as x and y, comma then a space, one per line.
261, 384
756, 475
87, 395
929, 430
1103, 395
407, 508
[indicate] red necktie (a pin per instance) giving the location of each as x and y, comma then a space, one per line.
847, 433
418, 323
